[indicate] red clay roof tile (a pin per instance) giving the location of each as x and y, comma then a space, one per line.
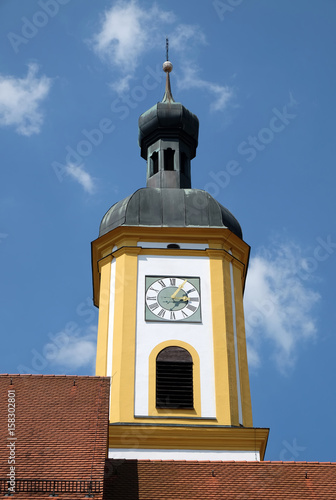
152, 480
61, 429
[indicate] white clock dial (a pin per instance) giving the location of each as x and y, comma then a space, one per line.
173, 299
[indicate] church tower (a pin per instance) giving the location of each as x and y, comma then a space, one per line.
169, 269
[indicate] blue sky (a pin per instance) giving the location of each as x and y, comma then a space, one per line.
74, 77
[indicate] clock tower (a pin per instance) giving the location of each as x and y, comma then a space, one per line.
169, 269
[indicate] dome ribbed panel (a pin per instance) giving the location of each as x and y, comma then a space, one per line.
169, 207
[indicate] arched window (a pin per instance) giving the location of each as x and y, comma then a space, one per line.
174, 378
169, 159
154, 163
184, 163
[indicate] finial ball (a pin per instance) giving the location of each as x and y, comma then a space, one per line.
167, 66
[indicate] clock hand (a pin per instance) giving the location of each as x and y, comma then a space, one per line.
178, 299
178, 289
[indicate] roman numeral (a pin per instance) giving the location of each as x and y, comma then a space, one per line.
151, 298
162, 283
191, 290
195, 299
162, 313
172, 315
154, 290
192, 308
154, 306
184, 314
172, 281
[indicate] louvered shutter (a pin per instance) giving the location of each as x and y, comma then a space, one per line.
174, 379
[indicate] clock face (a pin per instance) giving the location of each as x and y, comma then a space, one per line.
171, 298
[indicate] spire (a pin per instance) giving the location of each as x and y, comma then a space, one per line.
167, 68
168, 137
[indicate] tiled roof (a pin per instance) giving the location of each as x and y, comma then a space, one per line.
61, 429
177, 480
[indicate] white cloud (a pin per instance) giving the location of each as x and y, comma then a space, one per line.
122, 85
222, 93
72, 350
183, 40
20, 100
185, 36
127, 31
80, 175
122, 36
278, 306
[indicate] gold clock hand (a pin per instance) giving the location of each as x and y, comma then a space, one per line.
178, 289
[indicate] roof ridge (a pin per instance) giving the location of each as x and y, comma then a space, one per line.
245, 462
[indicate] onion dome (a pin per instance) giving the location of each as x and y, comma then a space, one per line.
169, 207
168, 138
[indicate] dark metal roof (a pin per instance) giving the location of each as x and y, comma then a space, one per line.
169, 207
167, 119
